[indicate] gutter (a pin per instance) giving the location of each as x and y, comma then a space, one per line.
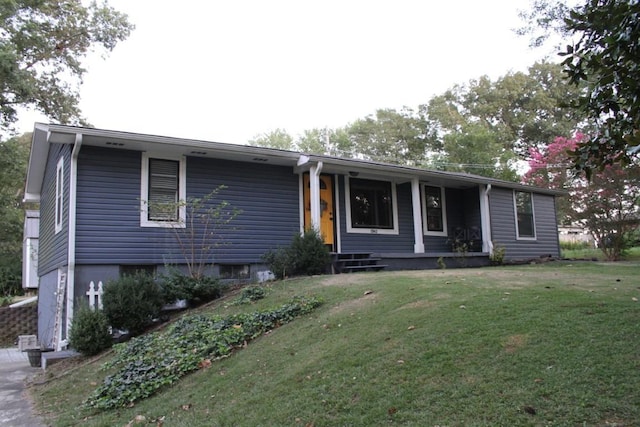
24, 302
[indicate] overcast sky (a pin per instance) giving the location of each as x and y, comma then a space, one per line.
229, 70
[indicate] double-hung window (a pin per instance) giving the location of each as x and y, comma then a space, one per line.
371, 207
59, 202
435, 213
163, 191
525, 224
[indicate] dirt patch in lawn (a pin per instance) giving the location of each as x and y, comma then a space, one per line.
349, 279
418, 304
354, 304
514, 343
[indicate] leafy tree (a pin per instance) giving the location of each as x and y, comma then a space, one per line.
550, 168
476, 149
521, 109
608, 204
14, 154
42, 45
332, 142
390, 136
278, 139
545, 18
606, 57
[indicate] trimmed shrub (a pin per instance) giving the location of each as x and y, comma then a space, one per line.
307, 255
497, 257
131, 302
89, 332
196, 290
311, 256
280, 262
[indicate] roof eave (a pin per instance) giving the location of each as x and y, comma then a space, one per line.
37, 162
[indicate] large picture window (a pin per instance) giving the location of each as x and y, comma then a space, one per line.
524, 212
163, 188
434, 208
371, 206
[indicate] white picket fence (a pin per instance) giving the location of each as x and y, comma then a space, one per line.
95, 295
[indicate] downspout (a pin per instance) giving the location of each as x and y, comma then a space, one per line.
314, 194
487, 243
71, 244
418, 239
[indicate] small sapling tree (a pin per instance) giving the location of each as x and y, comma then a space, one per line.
198, 235
201, 231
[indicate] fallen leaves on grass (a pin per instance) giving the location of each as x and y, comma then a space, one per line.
138, 419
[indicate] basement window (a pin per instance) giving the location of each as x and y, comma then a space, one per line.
234, 271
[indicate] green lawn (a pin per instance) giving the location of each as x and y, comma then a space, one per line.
553, 344
632, 254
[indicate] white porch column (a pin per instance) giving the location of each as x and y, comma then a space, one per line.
485, 220
314, 194
418, 245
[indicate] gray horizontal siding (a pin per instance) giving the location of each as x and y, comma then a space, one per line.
53, 250
503, 226
109, 229
265, 195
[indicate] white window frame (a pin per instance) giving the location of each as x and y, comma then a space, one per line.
59, 202
372, 230
533, 216
425, 226
144, 192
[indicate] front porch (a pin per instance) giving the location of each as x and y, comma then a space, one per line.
435, 260
364, 261
416, 215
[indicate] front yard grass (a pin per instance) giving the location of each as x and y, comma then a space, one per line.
631, 254
552, 344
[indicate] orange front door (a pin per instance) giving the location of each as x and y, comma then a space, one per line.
326, 207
